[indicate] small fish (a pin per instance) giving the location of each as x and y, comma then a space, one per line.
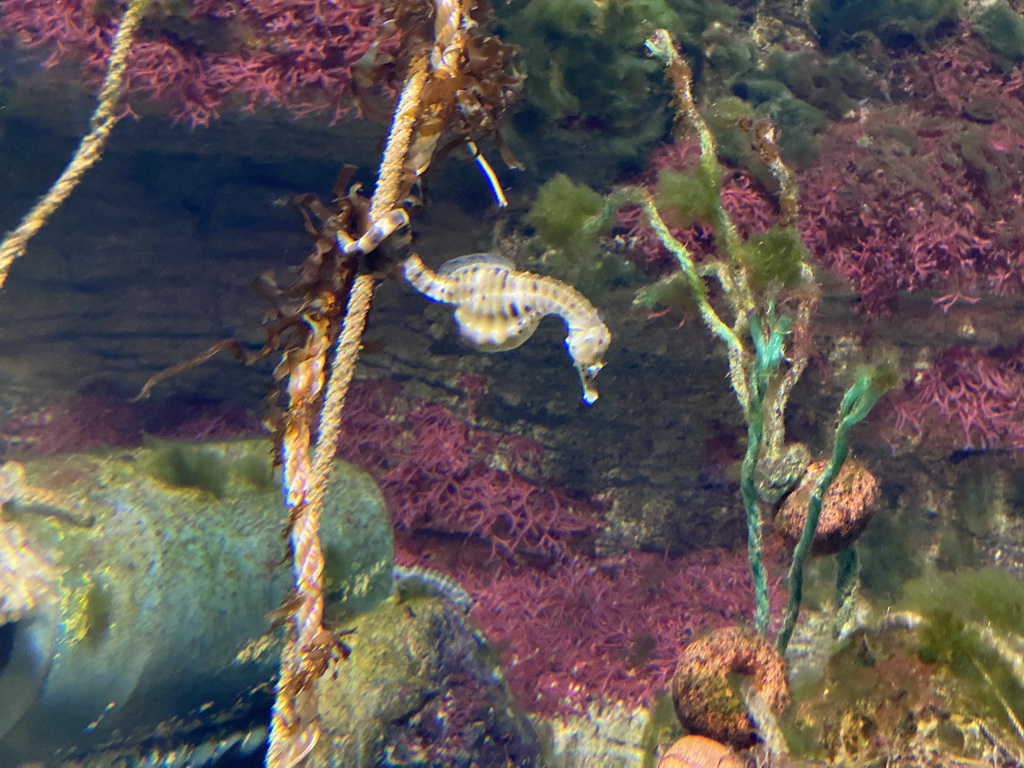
498, 308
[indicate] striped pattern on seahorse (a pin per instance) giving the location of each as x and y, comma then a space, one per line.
498, 307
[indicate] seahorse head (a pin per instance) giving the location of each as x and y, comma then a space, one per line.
587, 345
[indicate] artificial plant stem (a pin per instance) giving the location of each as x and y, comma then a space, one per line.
748, 488
775, 416
847, 585
768, 355
803, 546
857, 403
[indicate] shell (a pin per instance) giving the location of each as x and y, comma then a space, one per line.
699, 752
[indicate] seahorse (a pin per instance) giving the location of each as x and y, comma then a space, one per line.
498, 307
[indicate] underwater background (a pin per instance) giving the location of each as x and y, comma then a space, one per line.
781, 241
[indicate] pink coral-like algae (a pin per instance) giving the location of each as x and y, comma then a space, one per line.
967, 399
200, 58
900, 203
441, 474
574, 629
925, 194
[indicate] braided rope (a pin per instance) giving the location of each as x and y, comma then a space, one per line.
295, 726
89, 150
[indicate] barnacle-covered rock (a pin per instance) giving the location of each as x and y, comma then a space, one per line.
883, 699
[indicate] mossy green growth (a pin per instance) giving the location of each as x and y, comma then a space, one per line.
776, 257
564, 216
185, 465
248, 468
1002, 30
673, 292
758, 87
982, 161
891, 552
894, 22
729, 55
662, 727
724, 117
798, 124
883, 376
591, 96
976, 493
257, 471
684, 198
958, 610
809, 77
800, 91
560, 213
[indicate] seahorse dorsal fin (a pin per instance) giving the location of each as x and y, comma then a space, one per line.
452, 266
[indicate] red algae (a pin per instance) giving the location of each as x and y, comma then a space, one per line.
214, 56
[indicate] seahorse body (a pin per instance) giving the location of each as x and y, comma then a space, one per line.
499, 308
